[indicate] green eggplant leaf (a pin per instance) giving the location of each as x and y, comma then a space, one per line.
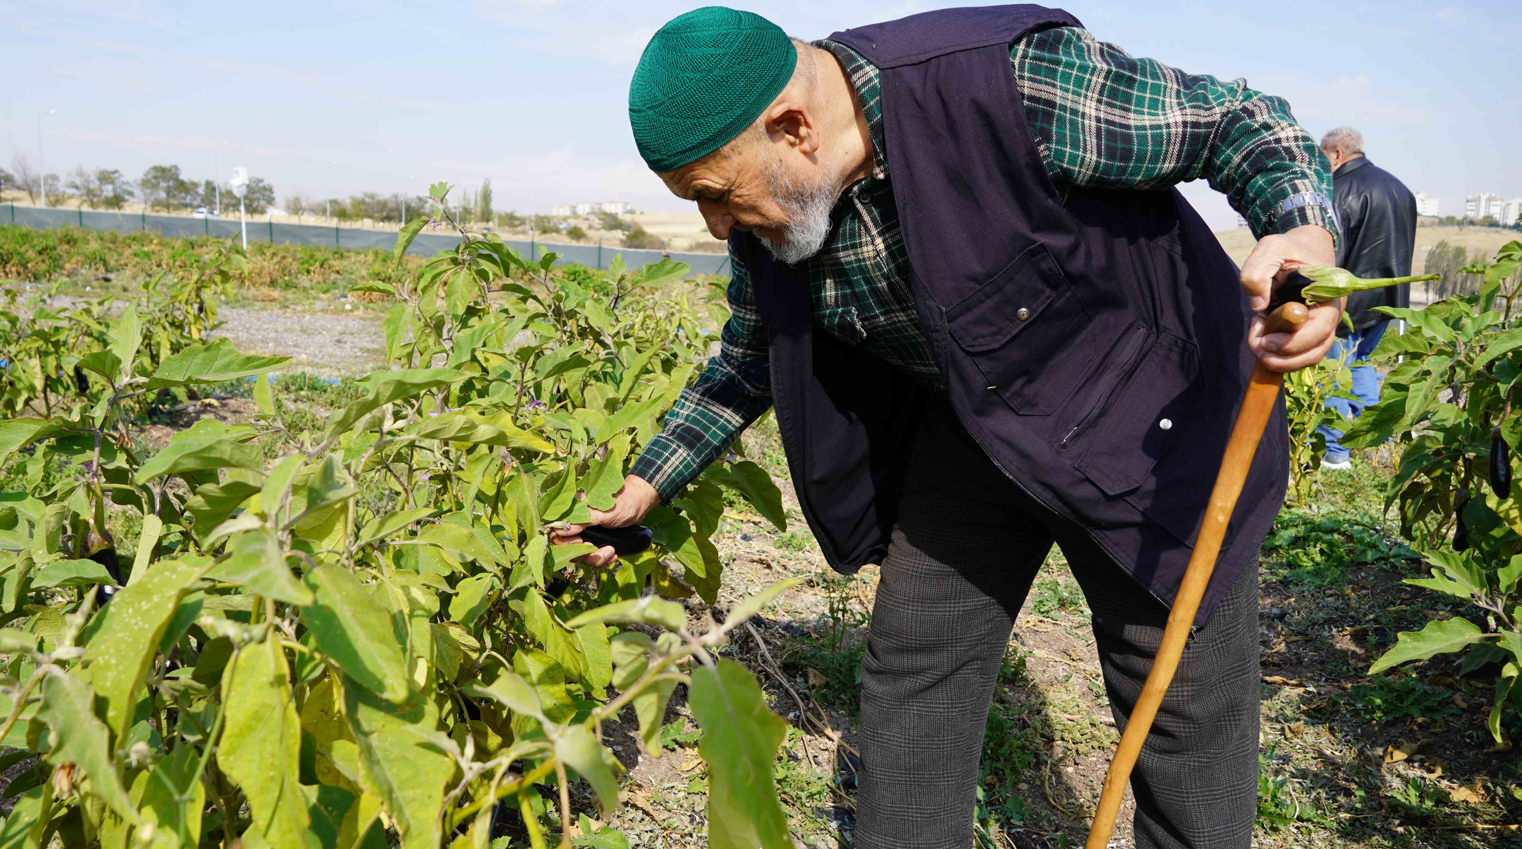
1448, 635
354, 629
215, 362
740, 741
261, 744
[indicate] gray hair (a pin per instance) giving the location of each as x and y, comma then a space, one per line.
1345, 139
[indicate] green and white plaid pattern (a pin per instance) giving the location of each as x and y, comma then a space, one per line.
1100, 119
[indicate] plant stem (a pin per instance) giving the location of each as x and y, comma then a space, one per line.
565, 805
530, 821
21, 699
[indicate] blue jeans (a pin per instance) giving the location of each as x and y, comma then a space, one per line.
1353, 348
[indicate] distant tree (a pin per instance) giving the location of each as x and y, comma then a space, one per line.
295, 205
575, 234
115, 189
162, 186
258, 196
609, 221
85, 186
483, 201
55, 193
25, 177
1449, 220
542, 223
6, 180
1488, 221
510, 220
639, 237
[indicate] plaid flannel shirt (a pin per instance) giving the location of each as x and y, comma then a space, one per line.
1100, 117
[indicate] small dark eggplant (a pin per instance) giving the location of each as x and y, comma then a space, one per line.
1500, 465
625, 541
81, 382
1461, 535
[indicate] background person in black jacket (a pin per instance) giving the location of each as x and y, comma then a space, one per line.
1378, 217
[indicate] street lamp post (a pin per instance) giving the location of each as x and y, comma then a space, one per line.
239, 185
42, 169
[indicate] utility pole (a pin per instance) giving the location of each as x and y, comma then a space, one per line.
42, 169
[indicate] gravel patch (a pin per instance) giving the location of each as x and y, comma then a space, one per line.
322, 343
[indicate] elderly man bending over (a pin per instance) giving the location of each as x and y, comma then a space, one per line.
987, 323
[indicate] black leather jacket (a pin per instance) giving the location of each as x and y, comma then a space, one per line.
1378, 217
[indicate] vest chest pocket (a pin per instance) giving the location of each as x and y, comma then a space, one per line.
1027, 331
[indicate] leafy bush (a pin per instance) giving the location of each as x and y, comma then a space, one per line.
50, 354
639, 237
1305, 395
315, 628
45, 255
1448, 401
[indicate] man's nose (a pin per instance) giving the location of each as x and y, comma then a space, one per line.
717, 217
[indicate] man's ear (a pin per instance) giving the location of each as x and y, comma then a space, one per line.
788, 121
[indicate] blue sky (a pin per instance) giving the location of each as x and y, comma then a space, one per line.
342, 97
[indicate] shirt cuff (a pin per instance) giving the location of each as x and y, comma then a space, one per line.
667, 465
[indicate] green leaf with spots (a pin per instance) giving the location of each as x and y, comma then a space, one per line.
77, 737
352, 627
261, 744
124, 645
207, 444
740, 740
402, 761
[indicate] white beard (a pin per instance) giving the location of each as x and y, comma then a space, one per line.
807, 205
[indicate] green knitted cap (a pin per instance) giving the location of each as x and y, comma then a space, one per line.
703, 78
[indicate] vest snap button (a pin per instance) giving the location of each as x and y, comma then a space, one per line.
1022, 313
1166, 424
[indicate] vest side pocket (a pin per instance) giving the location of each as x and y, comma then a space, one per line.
1144, 417
1027, 331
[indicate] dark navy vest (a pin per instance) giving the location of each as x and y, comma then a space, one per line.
1094, 341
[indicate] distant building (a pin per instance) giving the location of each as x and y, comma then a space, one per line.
1426, 204
592, 207
1483, 205
1509, 212
561, 210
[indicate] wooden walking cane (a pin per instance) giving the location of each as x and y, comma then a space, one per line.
1257, 404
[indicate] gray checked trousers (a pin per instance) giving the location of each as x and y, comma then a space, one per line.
967, 545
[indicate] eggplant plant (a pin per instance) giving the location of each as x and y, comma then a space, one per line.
360, 635
1448, 402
